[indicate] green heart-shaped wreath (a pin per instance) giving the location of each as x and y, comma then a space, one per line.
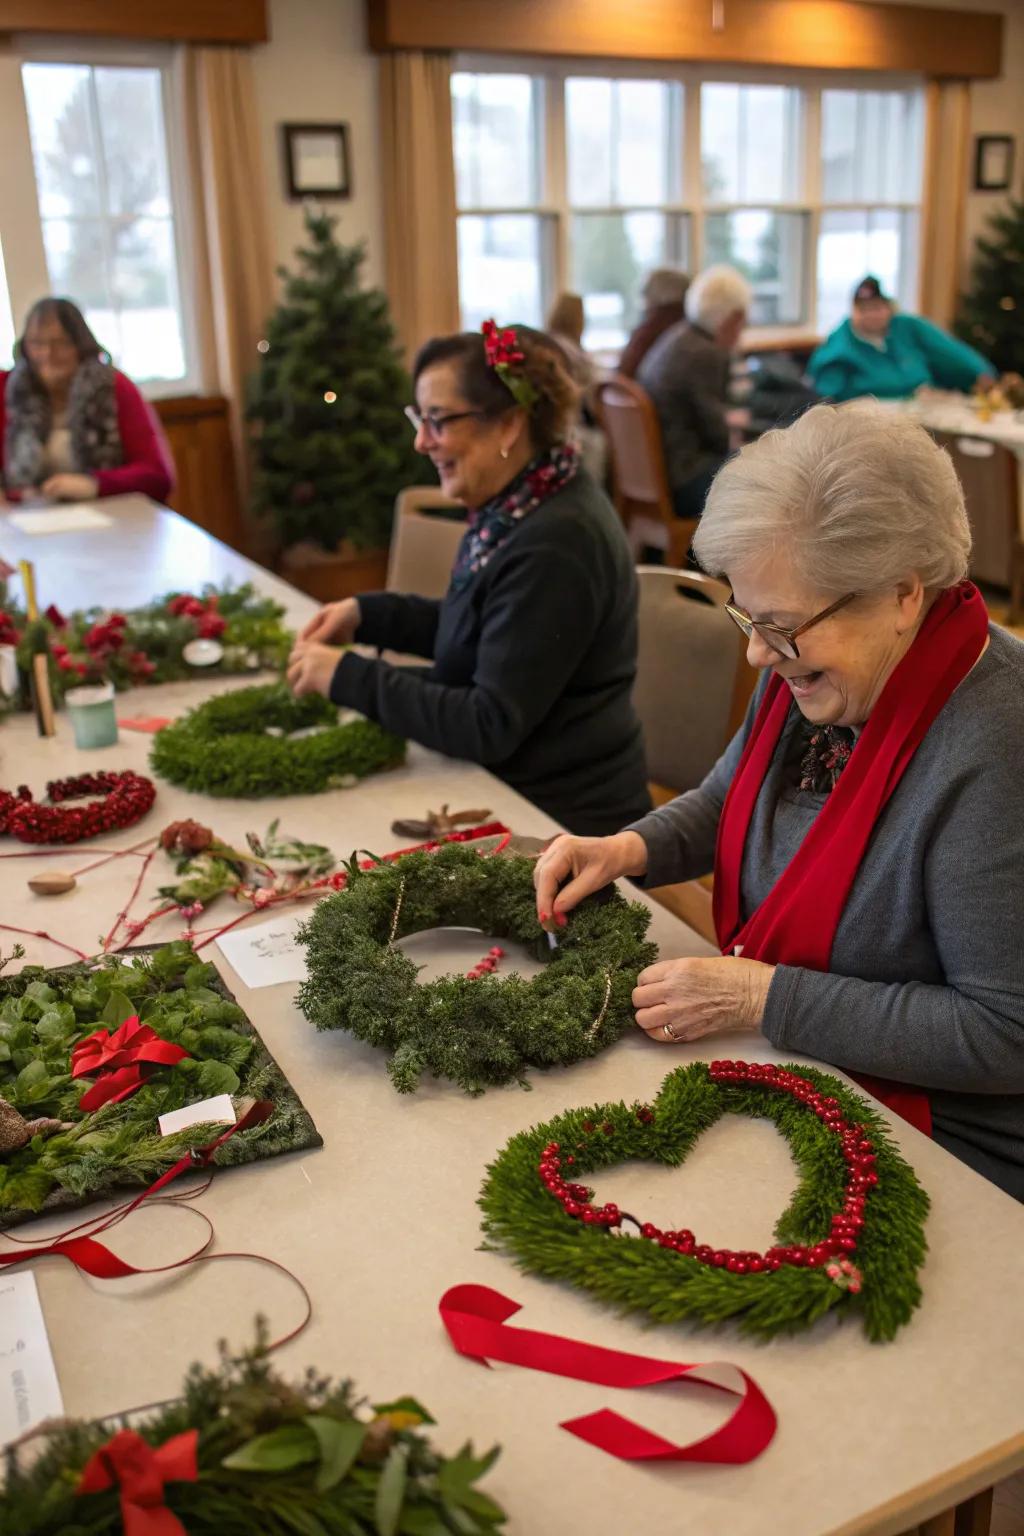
852, 1236
222, 747
482, 1030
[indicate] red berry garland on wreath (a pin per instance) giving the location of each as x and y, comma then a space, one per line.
126, 799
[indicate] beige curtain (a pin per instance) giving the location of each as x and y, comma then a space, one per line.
233, 265
419, 195
947, 138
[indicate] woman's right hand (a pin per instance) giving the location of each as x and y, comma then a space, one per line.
336, 623
574, 867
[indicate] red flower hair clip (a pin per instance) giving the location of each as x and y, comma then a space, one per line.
506, 357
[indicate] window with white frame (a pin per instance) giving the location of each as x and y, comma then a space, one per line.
571, 179
99, 137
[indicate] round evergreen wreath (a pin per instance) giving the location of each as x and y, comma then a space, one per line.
478, 1031
222, 747
852, 1236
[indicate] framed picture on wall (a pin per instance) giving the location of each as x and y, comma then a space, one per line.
993, 163
316, 160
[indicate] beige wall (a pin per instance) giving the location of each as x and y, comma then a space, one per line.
317, 69
997, 106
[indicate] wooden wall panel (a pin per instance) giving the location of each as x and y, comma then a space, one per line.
206, 488
810, 34
183, 21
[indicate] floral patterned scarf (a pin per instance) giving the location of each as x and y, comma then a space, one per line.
92, 417
496, 521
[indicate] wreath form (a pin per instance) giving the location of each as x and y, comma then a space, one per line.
476, 1031
126, 798
852, 1237
222, 747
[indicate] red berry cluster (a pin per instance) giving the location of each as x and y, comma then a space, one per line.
210, 625
127, 798
501, 346
8, 634
858, 1152
488, 965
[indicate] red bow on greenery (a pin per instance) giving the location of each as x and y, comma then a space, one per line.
506, 357
124, 1058
141, 1471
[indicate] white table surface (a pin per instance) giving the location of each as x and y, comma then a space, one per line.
382, 1220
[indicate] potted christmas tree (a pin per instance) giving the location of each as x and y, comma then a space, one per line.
332, 447
991, 314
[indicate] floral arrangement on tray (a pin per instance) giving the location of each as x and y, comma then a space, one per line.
243, 1451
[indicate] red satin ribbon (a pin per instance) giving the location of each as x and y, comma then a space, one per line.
125, 1059
140, 1471
475, 1317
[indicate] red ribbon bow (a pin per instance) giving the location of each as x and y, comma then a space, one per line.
125, 1058
141, 1471
475, 1317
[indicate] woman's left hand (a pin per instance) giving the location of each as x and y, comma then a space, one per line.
70, 488
679, 1000
311, 667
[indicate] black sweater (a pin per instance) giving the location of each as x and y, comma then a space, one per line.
533, 665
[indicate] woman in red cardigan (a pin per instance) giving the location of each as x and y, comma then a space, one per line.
71, 426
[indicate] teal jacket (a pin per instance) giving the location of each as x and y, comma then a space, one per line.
915, 352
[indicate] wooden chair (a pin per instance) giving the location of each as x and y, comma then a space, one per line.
692, 689
990, 474
639, 479
425, 536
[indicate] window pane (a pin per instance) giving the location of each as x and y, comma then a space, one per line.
620, 142
64, 148
500, 268
750, 143
855, 241
495, 123
768, 249
6, 320
144, 279
611, 255
132, 129
871, 146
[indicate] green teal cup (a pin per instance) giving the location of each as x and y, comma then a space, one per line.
93, 715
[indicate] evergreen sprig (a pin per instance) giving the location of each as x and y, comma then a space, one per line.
44, 1014
522, 1219
222, 747
309, 1459
476, 1032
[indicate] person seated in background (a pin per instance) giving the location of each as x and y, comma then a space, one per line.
663, 294
534, 646
866, 824
686, 374
565, 324
879, 352
71, 426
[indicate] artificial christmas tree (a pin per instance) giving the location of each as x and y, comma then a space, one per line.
332, 447
991, 316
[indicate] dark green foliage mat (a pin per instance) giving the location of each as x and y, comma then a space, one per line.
522, 1218
277, 1459
476, 1032
222, 747
43, 1015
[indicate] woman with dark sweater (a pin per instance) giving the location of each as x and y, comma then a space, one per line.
534, 645
71, 426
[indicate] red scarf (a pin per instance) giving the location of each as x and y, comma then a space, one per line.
797, 921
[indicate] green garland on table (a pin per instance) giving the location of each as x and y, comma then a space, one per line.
308, 1459
45, 1013
672, 1276
223, 747
476, 1031
145, 645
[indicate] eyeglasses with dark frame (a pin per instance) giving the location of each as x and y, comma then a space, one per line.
436, 425
777, 636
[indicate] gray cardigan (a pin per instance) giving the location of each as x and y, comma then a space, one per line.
927, 979
686, 374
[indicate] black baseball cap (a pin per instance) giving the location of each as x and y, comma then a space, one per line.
869, 288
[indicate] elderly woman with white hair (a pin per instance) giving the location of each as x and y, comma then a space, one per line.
866, 825
686, 374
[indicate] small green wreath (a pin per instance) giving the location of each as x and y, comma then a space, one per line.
223, 747
476, 1031
852, 1236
